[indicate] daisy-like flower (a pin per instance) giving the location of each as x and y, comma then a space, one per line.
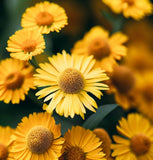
5, 133
81, 144
122, 84
136, 142
45, 16
104, 48
15, 81
37, 137
67, 79
136, 9
25, 44
106, 141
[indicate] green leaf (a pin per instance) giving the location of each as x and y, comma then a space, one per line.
95, 119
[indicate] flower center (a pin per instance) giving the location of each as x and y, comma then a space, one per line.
130, 2
99, 48
3, 152
29, 45
14, 80
71, 81
75, 153
122, 78
140, 144
44, 18
148, 92
39, 139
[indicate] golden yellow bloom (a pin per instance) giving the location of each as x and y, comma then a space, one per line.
136, 142
66, 81
144, 88
5, 134
15, 81
25, 44
82, 144
122, 85
136, 9
104, 48
106, 141
37, 137
45, 16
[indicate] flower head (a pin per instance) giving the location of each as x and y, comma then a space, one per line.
45, 16
84, 146
136, 9
5, 134
105, 49
25, 44
66, 81
37, 137
138, 142
15, 81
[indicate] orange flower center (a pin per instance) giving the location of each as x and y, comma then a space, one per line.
122, 78
71, 81
3, 152
75, 153
14, 80
99, 47
39, 139
44, 18
29, 45
140, 144
130, 2
148, 92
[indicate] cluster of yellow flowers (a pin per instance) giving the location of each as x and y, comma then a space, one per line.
113, 63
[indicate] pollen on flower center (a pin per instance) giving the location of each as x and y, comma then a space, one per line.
123, 78
130, 2
3, 152
71, 81
140, 144
14, 80
39, 139
29, 45
44, 18
75, 153
99, 48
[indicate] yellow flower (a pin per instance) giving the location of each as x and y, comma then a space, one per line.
144, 88
67, 79
5, 134
25, 43
137, 143
45, 16
15, 81
106, 141
122, 84
136, 9
37, 137
104, 48
82, 144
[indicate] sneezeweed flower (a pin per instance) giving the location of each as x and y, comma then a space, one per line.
122, 84
66, 81
45, 16
81, 144
5, 134
136, 9
136, 142
15, 81
106, 141
37, 137
144, 99
25, 44
106, 49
